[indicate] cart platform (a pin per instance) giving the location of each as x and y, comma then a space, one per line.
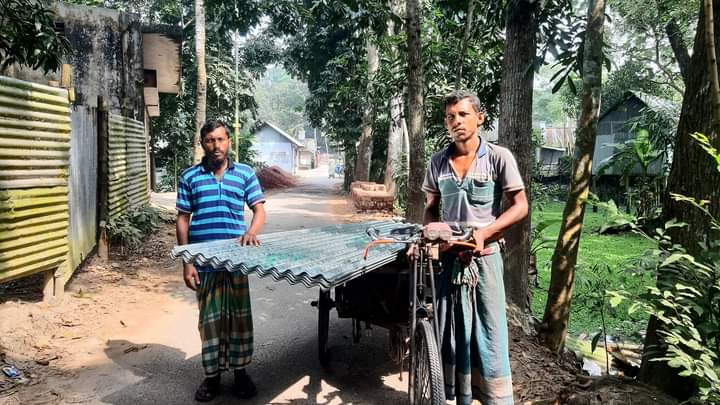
316, 257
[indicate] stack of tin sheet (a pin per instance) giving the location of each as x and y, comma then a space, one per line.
325, 257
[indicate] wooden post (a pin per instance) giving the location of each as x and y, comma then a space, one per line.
48, 285
102, 178
65, 76
66, 81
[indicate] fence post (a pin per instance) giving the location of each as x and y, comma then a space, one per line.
102, 178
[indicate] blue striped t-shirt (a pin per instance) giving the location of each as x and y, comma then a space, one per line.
217, 207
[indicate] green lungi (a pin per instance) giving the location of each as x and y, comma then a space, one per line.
225, 324
474, 333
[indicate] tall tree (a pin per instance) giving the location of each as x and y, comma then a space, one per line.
416, 78
395, 131
693, 174
515, 132
201, 96
364, 152
564, 260
467, 31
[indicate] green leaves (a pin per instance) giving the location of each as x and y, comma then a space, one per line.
538, 239
28, 37
130, 228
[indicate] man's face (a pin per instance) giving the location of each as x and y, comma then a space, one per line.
462, 121
216, 145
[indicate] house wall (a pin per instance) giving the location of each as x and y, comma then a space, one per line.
106, 58
612, 128
274, 149
107, 62
549, 160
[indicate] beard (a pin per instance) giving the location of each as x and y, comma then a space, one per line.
214, 161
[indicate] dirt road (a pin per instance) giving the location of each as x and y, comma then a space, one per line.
141, 345
126, 333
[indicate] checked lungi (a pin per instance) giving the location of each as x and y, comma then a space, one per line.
473, 325
225, 324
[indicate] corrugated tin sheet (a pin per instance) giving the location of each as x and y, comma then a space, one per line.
127, 165
83, 179
34, 158
316, 257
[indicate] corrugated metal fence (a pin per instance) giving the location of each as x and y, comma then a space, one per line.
34, 158
127, 165
83, 181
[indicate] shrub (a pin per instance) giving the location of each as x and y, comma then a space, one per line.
686, 301
131, 227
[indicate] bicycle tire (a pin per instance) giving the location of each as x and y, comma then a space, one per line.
427, 386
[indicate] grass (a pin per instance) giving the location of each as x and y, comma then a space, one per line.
621, 252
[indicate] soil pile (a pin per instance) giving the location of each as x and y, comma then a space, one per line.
274, 177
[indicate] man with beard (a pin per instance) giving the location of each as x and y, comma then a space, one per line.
466, 183
210, 202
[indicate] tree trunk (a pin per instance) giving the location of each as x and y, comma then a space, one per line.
395, 138
678, 46
515, 133
465, 41
712, 62
395, 133
693, 174
201, 102
416, 132
557, 309
364, 153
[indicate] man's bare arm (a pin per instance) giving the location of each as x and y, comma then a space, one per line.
258, 220
182, 230
432, 208
517, 211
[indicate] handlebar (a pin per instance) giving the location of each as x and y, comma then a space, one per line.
454, 234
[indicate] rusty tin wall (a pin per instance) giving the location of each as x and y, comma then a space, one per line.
127, 165
34, 158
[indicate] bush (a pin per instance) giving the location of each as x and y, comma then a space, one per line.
130, 228
686, 301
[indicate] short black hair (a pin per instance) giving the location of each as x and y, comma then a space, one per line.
458, 95
211, 125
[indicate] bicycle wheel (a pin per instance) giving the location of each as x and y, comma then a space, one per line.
426, 380
324, 305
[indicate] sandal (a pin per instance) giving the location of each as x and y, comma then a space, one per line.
208, 389
244, 387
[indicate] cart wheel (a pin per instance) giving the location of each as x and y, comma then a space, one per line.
426, 379
324, 305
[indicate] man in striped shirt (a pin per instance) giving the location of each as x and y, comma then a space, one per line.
211, 203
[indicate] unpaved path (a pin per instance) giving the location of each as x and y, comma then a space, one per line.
129, 336
126, 333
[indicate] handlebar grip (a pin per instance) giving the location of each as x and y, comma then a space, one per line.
373, 233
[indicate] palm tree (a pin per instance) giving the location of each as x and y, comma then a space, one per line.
201, 77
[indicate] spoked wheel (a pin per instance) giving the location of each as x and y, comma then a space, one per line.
324, 305
426, 379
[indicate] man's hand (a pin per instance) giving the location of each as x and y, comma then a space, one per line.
249, 239
191, 276
479, 239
